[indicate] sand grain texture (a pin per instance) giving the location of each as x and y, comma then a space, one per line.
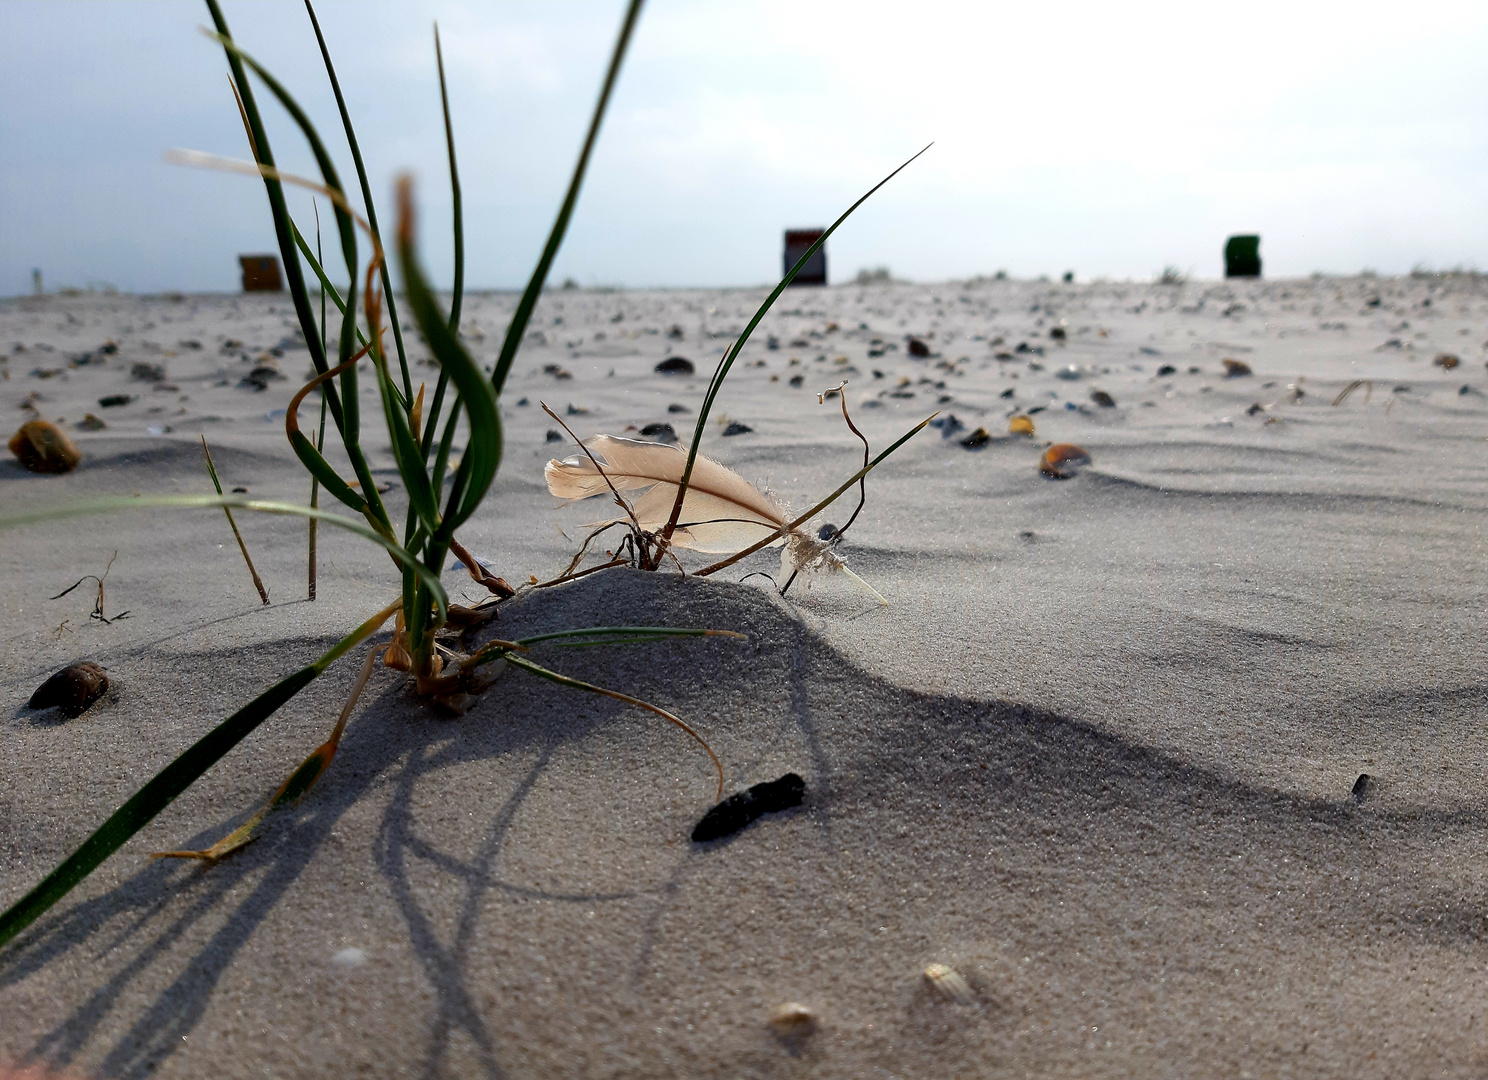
1097, 757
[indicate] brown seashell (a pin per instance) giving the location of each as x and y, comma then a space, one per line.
792, 1020
1234, 369
1020, 425
1063, 460
43, 447
72, 689
1446, 361
948, 983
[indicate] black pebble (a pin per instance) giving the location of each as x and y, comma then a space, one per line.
1166, 369
677, 407
660, 432
72, 689
521, 401
554, 436
1058, 333
978, 438
1006, 393
1362, 787
676, 365
736, 428
797, 380
1103, 399
115, 399
917, 348
739, 809
826, 532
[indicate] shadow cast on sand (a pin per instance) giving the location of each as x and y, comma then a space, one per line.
1021, 800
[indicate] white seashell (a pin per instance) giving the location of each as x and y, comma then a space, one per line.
948, 983
792, 1020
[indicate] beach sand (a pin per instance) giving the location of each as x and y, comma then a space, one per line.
1097, 755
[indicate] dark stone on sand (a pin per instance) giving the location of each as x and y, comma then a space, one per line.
115, 399
1446, 361
554, 436
1166, 370
678, 407
1466, 390
1235, 369
797, 380
1058, 334
1006, 393
1103, 399
557, 372
736, 428
521, 401
1255, 408
91, 423
948, 425
675, 333
826, 532
977, 439
742, 808
147, 372
72, 689
660, 432
1195, 370
917, 348
1362, 787
676, 365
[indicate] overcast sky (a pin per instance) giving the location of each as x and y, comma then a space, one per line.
1110, 139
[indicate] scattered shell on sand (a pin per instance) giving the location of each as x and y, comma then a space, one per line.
43, 447
72, 689
1063, 460
1234, 369
1020, 425
948, 983
792, 1020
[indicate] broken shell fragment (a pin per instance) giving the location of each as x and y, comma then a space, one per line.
948, 983
1020, 425
43, 447
1234, 369
1063, 460
72, 689
792, 1020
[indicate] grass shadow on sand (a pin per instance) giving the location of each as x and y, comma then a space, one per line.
987, 819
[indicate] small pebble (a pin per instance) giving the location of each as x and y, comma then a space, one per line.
42, 447
792, 1020
89, 422
948, 983
147, 372
554, 436
978, 438
1069, 372
1006, 393
115, 399
678, 407
676, 365
1166, 370
1234, 369
1103, 399
736, 428
917, 348
557, 372
1020, 425
72, 689
1362, 787
1446, 361
826, 532
1058, 334
741, 808
660, 432
948, 425
1063, 460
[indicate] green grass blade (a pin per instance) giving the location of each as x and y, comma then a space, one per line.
110, 503
175, 778
483, 453
356, 157
310, 457
293, 277
520, 317
406, 452
458, 213
732, 354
